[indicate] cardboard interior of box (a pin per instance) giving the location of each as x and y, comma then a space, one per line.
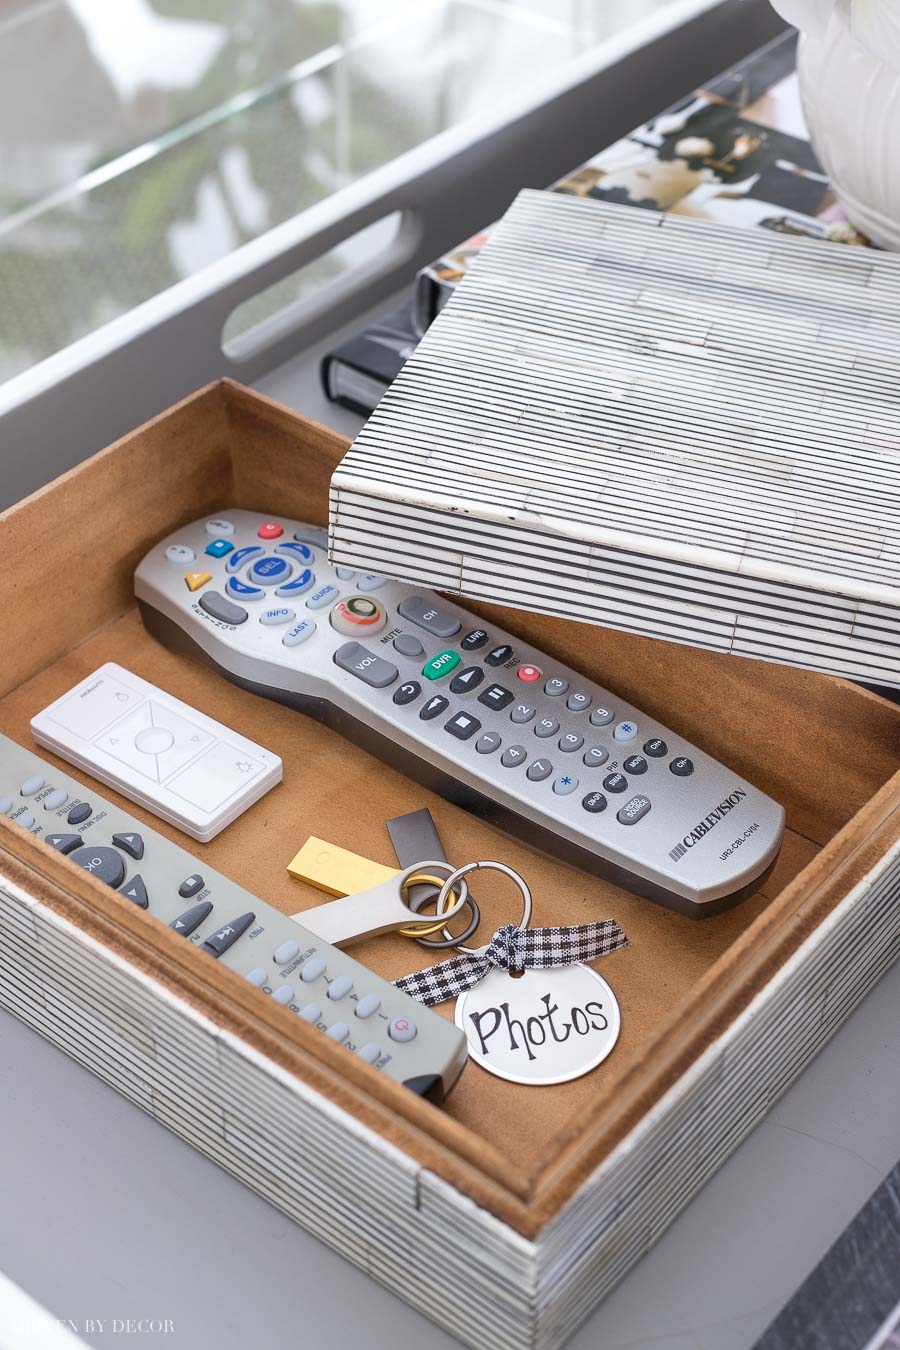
824, 748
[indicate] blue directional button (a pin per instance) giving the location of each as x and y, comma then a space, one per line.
241, 591
242, 555
299, 552
268, 571
297, 585
219, 547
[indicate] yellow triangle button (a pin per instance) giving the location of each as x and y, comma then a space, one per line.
194, 580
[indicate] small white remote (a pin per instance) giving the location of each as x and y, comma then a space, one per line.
473, 712
177, 762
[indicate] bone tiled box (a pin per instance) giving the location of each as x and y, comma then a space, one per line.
533, 1201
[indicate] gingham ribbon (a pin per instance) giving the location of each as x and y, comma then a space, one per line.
513, 948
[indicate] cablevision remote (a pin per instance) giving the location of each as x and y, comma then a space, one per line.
309, 977
491, 723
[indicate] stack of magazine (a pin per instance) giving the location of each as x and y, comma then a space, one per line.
660, 424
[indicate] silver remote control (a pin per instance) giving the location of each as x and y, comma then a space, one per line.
489, 722
314, 980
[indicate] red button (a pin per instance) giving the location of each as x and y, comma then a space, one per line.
528, 674
270, 530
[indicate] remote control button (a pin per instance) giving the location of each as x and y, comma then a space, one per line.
63, 843
299, 552
555, 686
31, 785
340, 987
79, 813
474, 639
312, 534
538, 770
615, 782
467, 680
578, 701
462, 726
274, 618
218, 943
300, 633
270, 529
365, 665
284, 994
529, 674
338, 1031
286, 952
370, 1052
513, 756
324, 596
132, 844
6, 805
268, 570
656, 748
240, 556
498, 655
440, 665
154, 740
297, 585
102, 862
601, 717
345, 573
180, 553
402, 1029
439, 622
563, 786
682, 767
257, 976
625, 731
219, 547
597, 755
488, 743
522, 712
191, 919
407, 693
52, 801
434, 707
136, 892
194, 580
26, 820
312, 969
407, 645
634, 810
190, 886
368, 1005
358, 615
595, 802
311, 1012
496, 697
371, 581
219, 527
635, 764
219, 608
546, 726
570, 742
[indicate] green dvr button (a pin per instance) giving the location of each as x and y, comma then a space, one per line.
440, 665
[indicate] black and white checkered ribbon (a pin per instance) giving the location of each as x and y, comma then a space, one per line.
513, 948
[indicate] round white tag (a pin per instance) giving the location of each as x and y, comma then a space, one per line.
542, 1027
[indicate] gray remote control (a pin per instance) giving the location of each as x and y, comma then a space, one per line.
486, 720
316, 981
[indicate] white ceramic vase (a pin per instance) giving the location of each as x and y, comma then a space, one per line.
849, 68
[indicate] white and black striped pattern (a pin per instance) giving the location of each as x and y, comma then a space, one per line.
657, 424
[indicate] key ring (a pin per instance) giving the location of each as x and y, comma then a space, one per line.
449, 940
418, 878
486, 865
